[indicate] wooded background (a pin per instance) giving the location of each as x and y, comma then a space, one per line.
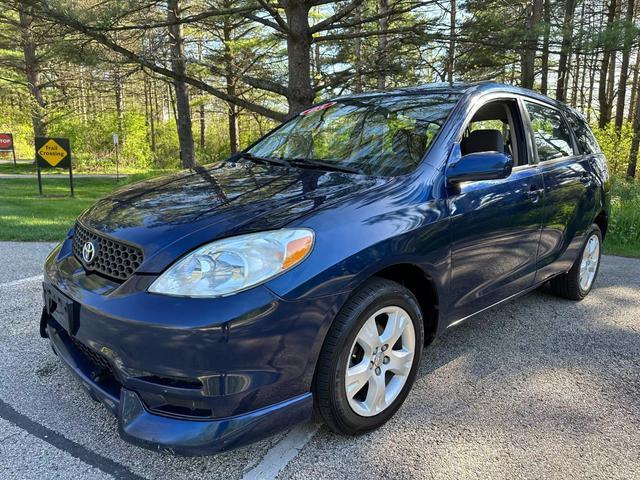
190, 81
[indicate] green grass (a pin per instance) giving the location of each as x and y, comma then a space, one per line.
90, 168
621, 251
11, 169
25, 216
623, 236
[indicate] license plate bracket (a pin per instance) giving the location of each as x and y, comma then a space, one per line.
61, 308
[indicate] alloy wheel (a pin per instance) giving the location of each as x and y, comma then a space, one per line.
380, 361
589, 263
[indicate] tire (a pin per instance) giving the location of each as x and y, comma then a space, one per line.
349, 344
571, 285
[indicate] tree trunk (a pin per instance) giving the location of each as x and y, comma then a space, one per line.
32, 71
528, 59
119, 91
318, 60
635, 143
358, 52
565, 50
232, 110
611, 85
580, 60
635, 87
451, 54
234, 137
383, 42
544, 82
83, 96
202, 113
624, 68
153, 112
592, 79
300, 92
603, 98
203, 127
575, 84
178, 65
583, 81
147, 106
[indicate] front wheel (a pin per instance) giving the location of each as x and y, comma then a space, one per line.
370, 357
577, 282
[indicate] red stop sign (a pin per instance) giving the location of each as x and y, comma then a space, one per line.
6, 141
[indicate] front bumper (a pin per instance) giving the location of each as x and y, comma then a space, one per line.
188, 375
186, 437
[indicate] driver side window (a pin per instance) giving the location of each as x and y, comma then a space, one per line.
496, 126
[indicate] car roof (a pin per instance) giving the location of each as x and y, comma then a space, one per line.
460, 88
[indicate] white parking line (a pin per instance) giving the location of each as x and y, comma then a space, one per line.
21, 281
282, 453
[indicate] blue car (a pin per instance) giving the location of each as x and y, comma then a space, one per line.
216, 306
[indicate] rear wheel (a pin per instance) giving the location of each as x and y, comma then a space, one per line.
370, 357
577, 282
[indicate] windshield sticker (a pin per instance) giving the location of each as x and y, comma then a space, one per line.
318, 108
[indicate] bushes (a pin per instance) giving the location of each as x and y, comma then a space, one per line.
18, 122
623, 236
616, 149
92, 141
624, 222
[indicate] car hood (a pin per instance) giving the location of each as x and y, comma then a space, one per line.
168, 216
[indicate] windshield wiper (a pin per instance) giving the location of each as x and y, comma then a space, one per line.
307, 163
268, 160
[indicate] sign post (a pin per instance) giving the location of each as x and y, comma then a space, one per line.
116, 143
53, 153
6, 145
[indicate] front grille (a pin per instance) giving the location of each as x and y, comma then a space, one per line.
112, 258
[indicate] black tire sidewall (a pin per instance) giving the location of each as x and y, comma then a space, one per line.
390, 295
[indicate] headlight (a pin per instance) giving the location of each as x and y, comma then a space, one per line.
228, 266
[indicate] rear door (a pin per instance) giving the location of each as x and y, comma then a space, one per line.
495, 224
569, 200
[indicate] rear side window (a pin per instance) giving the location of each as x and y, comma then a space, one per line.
586, 141
550, 132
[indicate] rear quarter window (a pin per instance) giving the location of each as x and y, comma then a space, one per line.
584, 136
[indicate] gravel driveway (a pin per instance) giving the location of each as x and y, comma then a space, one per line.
537, 388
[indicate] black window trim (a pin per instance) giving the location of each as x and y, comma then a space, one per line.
532, 151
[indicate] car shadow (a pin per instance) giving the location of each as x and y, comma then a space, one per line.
540, 333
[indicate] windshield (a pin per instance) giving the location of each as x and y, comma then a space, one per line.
382, 135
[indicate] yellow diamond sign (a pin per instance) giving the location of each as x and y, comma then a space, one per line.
52, 153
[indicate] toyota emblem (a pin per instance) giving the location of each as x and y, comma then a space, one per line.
88, 252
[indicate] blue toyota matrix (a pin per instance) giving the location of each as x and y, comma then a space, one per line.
216, 306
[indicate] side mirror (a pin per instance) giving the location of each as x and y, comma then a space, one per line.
479, 166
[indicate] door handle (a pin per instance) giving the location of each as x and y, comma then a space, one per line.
534, 193
585, 178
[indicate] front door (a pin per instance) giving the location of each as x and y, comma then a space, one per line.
495, 224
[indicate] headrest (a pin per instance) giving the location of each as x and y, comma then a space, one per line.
483, 141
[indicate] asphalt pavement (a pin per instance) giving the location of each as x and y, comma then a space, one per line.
539, 387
